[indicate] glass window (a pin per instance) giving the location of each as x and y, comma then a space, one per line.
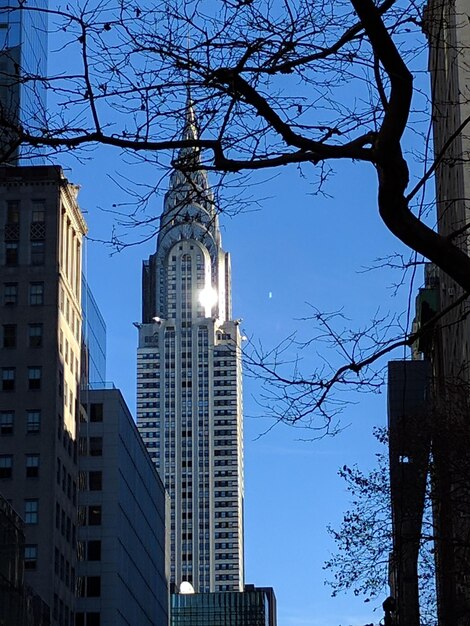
96, 446
93, 587
30, 556
38, 213
36, 294
33, 421
32, 465
6, 422
6, 465
8, 378
31, 511
38, 249
34, 378
94, 515
35, 335
96, 412
9, 335
10, 293
95, 481
94, 550
11, 253
93, 619
13, 212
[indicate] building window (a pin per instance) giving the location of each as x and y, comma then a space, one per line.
6, 422
38, 249
6, 465
34, 378
31, 508
9, 335
96, 412
95, 481
87, 619
36, 294
32, 465
11, 253
33, 421
92, 587
13, 212
38, 212
90, 515
93, 552
8, 378
35, 335
30, 556
96, 446
94, 515
10, 293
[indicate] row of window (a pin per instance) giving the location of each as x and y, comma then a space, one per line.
64, 570
14, 211
67, 352
67, 310
35, 293
89, 515
7, 422
92, 446
64, 523
61, 612
33, 337
31, 465
87, 618
94, 411
8, 380
64, 436
89, 550
65, 481
37, 253
91, 481
89, 587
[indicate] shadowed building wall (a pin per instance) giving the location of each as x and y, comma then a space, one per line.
41, 230
447, 25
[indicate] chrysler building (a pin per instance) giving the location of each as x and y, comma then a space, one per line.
189, 385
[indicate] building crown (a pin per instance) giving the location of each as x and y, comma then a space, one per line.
189, 198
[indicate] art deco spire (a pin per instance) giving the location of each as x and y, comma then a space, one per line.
189, 197
190, 131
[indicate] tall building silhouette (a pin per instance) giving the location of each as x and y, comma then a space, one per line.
189, 387
448, 29
23, 62
40, 310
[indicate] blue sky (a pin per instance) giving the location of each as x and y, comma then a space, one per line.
293, 251
290, 251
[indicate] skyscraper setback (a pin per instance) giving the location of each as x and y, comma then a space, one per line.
189, 393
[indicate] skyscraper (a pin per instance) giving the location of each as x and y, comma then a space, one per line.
189, 387
23, 62
40, 343
448, 29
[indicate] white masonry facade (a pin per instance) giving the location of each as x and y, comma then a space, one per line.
189, 383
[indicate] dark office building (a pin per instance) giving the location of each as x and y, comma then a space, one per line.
123, 565
409, 446
256, 606
19, 605
40, 346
